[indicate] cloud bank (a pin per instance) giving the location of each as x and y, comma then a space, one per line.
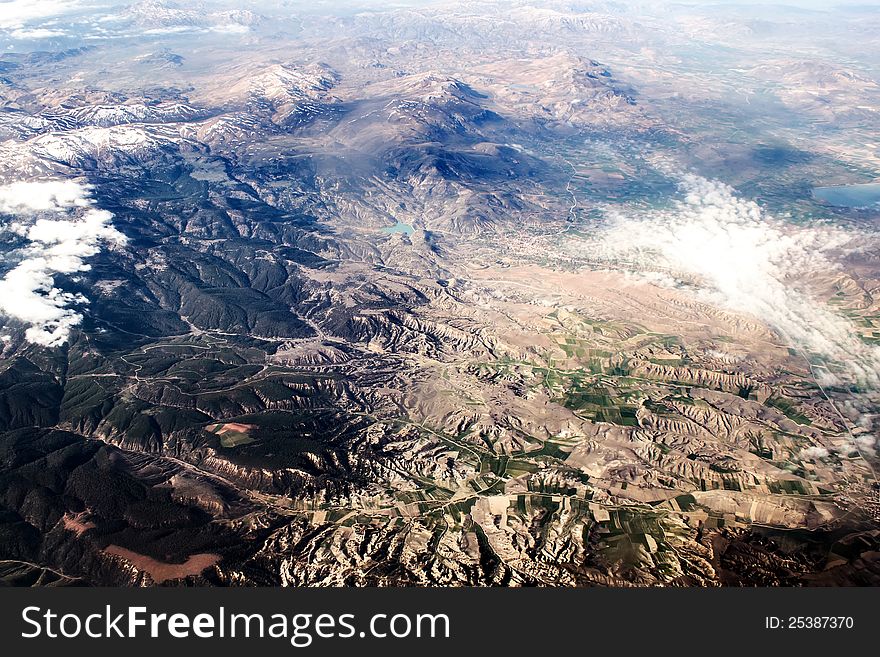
15, 13
747, 261
62, 231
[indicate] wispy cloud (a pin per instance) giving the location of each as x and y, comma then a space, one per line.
231, 28
173, 29
813, 453
57, 244
38, 33
742, 258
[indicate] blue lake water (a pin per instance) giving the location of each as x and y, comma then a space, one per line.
399, 227
849, 196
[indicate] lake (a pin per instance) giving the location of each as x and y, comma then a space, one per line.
849, 196
399, 227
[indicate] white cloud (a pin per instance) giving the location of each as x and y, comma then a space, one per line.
740, 257
174, 29
38, 33
866, 443
49, 195
813, 453
15, 13
57, 245
231, 28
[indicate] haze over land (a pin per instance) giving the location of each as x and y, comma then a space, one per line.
505, 293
